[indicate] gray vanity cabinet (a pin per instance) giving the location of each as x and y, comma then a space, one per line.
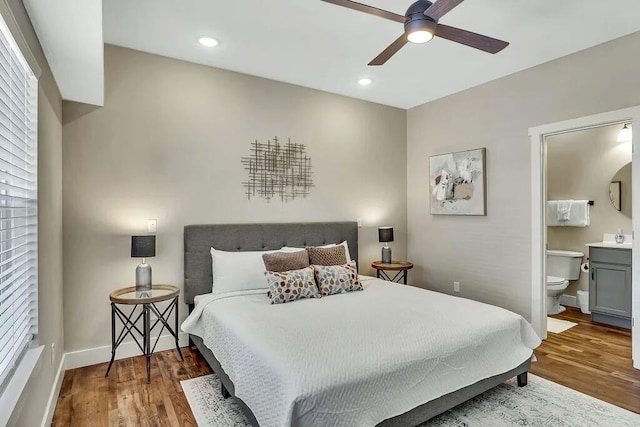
610, 286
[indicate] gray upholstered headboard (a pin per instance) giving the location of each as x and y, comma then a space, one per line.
199, 239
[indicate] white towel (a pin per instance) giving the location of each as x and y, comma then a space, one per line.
578, 214
552, 214
564, 210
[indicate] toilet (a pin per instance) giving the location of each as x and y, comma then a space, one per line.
562, 266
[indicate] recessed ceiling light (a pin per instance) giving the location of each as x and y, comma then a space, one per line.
365, 82
208, 42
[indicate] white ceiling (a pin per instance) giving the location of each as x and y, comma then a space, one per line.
70, 32
323, 46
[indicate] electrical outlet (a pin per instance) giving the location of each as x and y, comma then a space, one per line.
53, 354
456, 287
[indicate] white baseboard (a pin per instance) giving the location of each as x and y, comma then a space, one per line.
55, 392
93, 356
569, 300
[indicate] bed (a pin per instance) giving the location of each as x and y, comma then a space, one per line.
390, 355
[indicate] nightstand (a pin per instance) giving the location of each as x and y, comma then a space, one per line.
399, 267
146, 301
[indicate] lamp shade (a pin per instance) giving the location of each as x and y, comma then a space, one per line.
385, 234
143, 246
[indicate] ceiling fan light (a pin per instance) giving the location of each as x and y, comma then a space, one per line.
626, 134
420, 36
419, 30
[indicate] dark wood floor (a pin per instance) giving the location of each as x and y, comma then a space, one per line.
87, 398
593, 359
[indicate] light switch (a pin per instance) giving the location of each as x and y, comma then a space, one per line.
152, 225
359, 220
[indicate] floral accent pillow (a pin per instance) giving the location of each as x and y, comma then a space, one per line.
337, 279
288, 286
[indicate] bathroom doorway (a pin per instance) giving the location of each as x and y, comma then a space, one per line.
589, 204
555, 139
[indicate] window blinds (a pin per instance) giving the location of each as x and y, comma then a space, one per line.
18, 205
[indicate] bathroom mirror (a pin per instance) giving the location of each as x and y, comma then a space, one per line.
620, 190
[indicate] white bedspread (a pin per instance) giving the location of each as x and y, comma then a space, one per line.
356, 359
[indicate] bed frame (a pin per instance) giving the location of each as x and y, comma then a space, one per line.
198, 240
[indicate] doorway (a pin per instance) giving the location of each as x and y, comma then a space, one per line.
539, 150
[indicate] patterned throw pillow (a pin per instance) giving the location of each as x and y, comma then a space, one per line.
287, 286
337, 279
286, 261
335, 255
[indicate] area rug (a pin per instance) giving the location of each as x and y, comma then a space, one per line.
541, 403
558, 326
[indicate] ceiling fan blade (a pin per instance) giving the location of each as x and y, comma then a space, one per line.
441, 8
478, 41
390, 51
368, 9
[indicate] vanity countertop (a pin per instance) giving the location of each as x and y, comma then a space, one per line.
613, 245
608, 241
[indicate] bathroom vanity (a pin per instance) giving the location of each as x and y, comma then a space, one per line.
610, 283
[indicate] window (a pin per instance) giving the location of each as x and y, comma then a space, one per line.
18, 205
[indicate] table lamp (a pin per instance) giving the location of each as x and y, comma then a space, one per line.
143, 247
385, 234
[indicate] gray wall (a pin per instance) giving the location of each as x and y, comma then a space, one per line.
491, 256
167, 145
31, 409
580, 165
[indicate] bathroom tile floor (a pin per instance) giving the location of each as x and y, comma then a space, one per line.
592, 358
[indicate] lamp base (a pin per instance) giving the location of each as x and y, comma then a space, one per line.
143, 277
386, 255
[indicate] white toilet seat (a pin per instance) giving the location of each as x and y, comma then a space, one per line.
560, 287
554, 281
555, 288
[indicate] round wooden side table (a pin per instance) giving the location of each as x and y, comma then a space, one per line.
401, 269
146, 300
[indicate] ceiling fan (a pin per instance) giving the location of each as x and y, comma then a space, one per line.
421, 25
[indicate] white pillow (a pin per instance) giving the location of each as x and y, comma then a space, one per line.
345, 244
291, 250
238, 271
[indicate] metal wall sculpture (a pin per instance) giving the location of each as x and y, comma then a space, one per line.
277, 170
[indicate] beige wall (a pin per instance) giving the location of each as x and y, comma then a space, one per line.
580, 165
32, 406
167, 145
491, 256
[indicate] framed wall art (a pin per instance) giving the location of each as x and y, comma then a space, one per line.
458, 183
277, 170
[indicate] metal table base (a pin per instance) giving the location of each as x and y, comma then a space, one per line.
129, 326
